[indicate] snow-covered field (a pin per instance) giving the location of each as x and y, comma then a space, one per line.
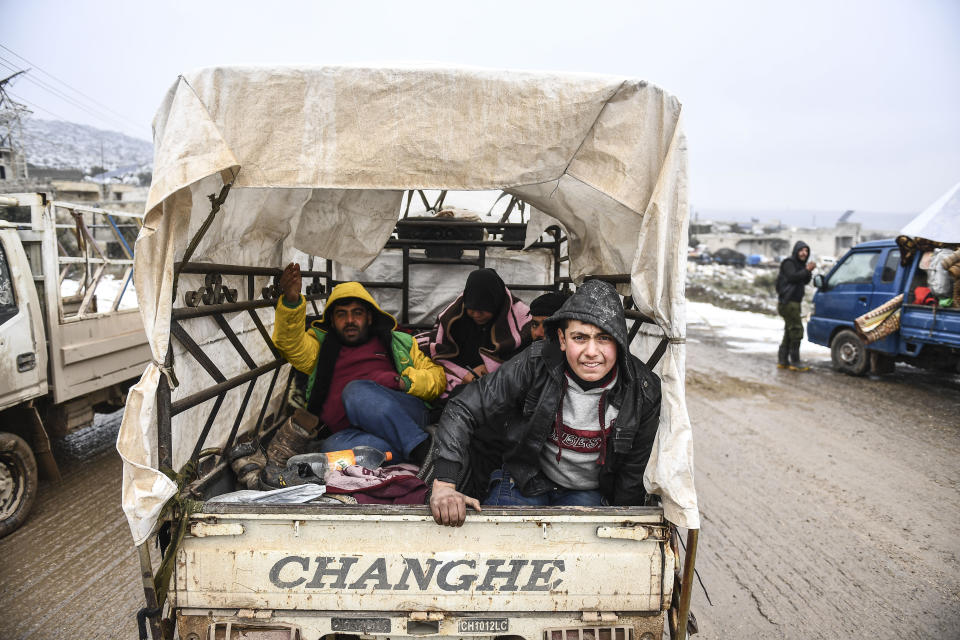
744, 331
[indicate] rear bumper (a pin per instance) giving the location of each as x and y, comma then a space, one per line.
266, 625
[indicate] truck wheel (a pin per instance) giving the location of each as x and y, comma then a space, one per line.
18, 482
849, 354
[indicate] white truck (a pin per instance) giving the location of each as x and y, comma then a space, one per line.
257, 167
67, 344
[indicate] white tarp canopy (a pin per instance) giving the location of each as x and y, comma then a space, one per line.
940, 221
319, 158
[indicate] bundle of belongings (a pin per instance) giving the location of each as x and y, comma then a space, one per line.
940, 263
951, 263
942, 266
347, 477
880, 322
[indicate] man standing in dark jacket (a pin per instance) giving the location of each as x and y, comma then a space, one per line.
581, 414
795, 273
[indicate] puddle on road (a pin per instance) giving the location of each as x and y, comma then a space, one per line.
726, 386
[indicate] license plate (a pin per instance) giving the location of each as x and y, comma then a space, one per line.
483, 625
361, 625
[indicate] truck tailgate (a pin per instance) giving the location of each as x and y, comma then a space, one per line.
375, 558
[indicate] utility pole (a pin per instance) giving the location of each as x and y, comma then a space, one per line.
11, 127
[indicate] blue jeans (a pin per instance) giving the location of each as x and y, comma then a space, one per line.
504, 492
386, 419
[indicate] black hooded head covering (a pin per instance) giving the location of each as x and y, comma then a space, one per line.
800, 244
595, 302
484, 291
547, 304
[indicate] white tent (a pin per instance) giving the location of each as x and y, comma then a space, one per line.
940, 221
318, 159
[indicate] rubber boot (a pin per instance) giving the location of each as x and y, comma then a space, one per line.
782, 358
293, 437
795, 364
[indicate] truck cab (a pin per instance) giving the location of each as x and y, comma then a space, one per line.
868, 276
21, 324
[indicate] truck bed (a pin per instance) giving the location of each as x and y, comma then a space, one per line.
96, 352
927, 325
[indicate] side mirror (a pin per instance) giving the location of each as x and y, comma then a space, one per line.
818, 281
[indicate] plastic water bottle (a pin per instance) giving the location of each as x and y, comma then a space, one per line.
320, 463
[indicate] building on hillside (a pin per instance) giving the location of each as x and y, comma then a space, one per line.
124, 197
13, 166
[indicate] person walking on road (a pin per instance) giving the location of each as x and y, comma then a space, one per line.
795, 273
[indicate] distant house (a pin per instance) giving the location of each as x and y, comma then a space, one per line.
823, 242
12, 163
75, 191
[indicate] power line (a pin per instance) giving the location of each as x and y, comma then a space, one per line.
102, 117
73, 89
34, 106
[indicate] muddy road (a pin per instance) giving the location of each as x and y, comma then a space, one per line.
829, 503
71, 571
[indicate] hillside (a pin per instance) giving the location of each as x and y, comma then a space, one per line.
66, 145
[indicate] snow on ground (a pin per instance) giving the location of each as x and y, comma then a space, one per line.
107, 290
745, 331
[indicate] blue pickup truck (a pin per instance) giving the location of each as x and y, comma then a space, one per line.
869, 275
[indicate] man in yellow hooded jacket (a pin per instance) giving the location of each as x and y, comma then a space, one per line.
368, 382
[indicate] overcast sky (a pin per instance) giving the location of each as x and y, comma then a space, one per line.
812, 105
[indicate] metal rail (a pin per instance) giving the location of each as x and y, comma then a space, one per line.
90, 252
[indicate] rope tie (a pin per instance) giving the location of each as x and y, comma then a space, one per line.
168, 373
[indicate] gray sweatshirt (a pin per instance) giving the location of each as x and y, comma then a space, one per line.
579, 441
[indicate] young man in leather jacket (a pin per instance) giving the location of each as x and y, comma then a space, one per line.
581, 414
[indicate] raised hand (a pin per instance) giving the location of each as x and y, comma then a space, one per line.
290, 283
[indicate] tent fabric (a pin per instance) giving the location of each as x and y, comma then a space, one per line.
318, 159
940, 221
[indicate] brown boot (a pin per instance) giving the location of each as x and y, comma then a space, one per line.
293, 437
